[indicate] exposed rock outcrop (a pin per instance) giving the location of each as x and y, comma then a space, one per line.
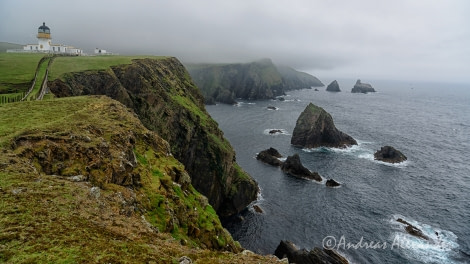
333, 87
332, 183
294, 167
270, 156
302, 256
162, 94
315, 128
360, 87
413, 230
389, 154
250, 81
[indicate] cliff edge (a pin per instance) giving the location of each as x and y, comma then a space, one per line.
162, 94
83, 181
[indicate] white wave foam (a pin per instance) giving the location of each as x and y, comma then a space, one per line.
259, 196
283, 131
440, 247
239, 104
360, 150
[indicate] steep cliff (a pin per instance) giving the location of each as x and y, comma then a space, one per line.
162, 94
257, 80
294, 80
83, 181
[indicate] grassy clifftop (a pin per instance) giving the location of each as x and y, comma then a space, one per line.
82, 180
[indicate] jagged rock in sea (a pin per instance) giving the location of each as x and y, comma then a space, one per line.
413, 230
270, 156
332, 183
275, 131
294, 167
333, 87
303, 256
360, 87
389, 154
258, 209
162, 94
315, 128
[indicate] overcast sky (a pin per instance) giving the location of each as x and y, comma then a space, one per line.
367, 39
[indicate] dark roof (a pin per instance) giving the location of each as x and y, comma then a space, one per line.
44, 28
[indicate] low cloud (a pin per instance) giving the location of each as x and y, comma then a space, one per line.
340, 38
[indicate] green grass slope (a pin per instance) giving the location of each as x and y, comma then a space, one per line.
83, 181
17, 71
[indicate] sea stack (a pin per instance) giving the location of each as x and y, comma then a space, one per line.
315, 128
360, 87
333, 87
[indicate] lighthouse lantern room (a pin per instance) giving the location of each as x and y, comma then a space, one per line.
44, 37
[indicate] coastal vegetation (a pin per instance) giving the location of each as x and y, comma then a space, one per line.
82, 180
161, 92
18, 71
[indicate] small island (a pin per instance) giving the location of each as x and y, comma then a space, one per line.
360, 87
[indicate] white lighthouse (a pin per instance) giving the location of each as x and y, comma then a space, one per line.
44, 38
45, 45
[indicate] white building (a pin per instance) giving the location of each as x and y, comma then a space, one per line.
45, 44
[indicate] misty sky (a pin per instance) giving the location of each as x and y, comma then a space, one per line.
367, 39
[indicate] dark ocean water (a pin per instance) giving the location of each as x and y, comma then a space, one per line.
429, 123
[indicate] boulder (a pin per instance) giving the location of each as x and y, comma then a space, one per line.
332, 183
333, 87
294, 167
257, 209
360, 87
315, 128
270, 156
389, 154
270, 107
303, 256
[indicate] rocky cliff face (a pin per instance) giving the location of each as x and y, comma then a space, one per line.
166, 100
315, 128
256, 80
